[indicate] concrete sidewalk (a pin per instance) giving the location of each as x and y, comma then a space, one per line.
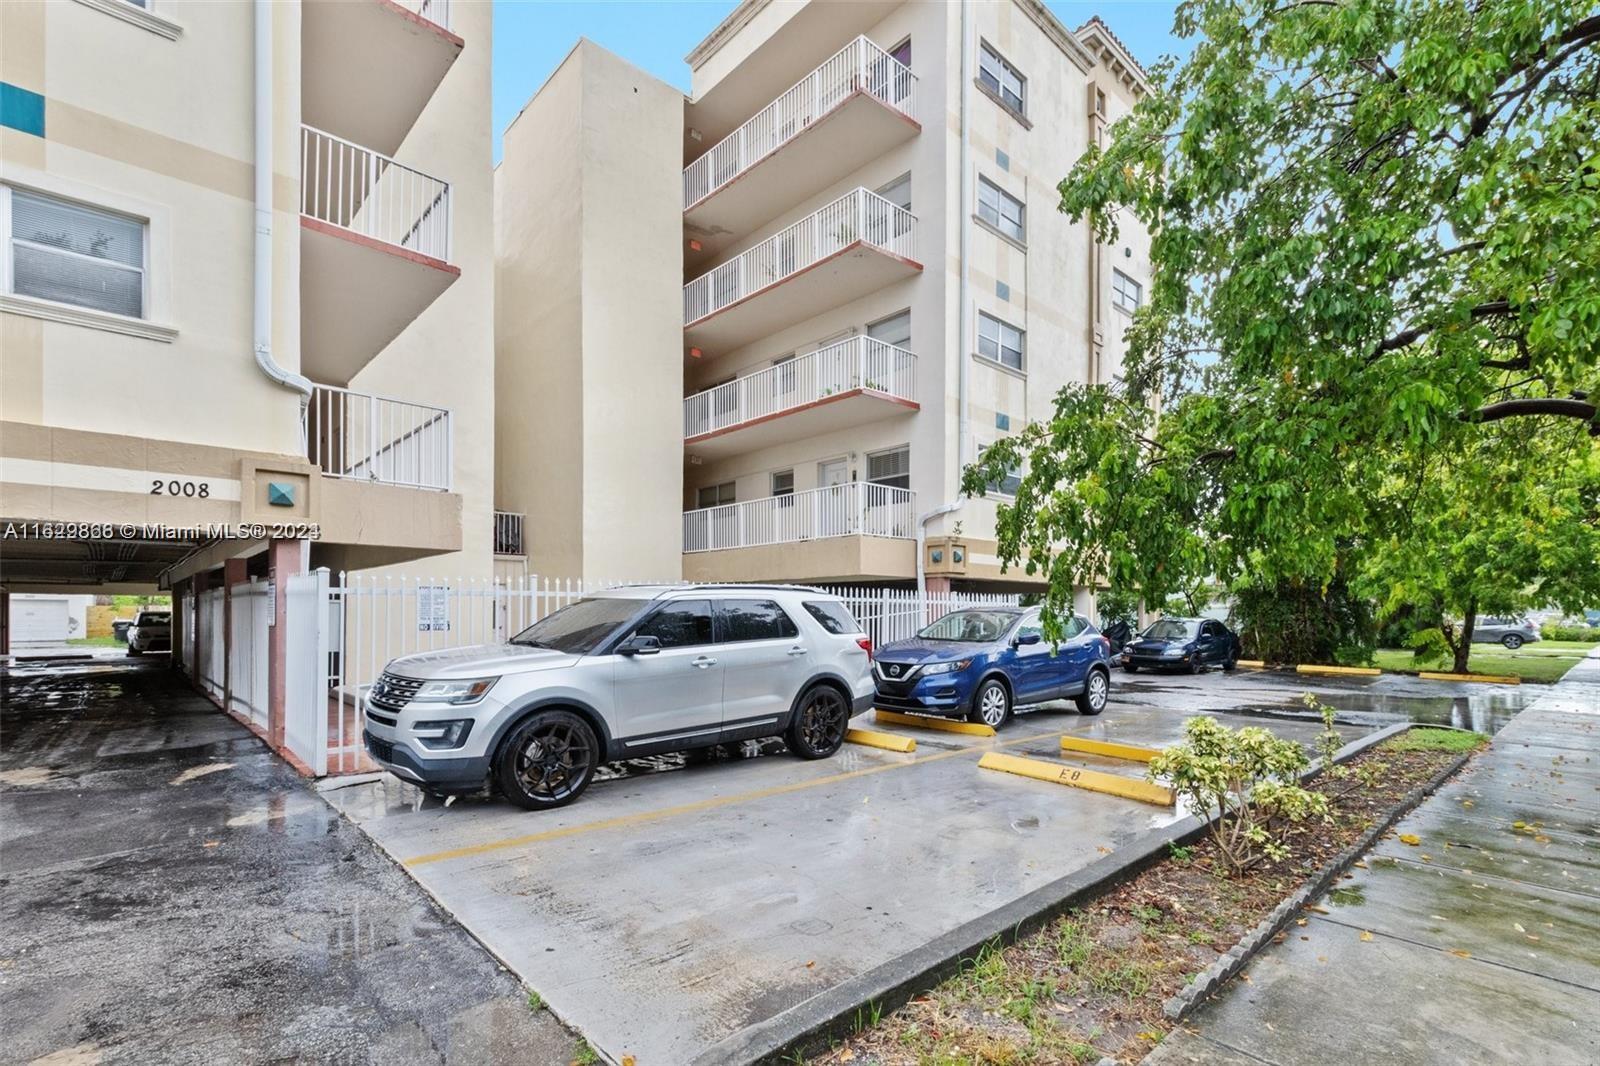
1477, 945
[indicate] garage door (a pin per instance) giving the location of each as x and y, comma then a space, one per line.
38, 621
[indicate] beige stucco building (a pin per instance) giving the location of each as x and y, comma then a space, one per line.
755, 333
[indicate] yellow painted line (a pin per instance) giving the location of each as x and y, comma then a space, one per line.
1256, 664
1351, 671
1093, 780
1108, 749
886, 741
642, 817
947, 725
1493, 679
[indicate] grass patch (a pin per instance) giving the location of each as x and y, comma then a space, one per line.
535, 1001
1454, 741
1542, 663
96, 642
584, 1055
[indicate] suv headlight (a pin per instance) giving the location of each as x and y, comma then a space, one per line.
439, 735
946, 668
468, 690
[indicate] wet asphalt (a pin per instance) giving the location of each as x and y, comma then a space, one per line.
172, 892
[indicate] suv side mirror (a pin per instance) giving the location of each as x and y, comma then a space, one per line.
1026, 638
637, 645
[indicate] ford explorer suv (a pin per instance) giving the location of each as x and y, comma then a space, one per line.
151, 631
620, 674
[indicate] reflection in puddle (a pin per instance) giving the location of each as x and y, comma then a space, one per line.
1487, 713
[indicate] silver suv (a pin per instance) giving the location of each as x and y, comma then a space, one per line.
620, 674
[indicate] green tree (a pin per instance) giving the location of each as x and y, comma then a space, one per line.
1376, 232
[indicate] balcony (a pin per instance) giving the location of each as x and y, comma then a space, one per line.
364, 437
374, 252
853, 246
854, 509
508, 533
856, 381
845, 113
369, 67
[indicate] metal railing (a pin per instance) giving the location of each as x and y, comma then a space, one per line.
435, 11
373, 438
371, 195
859, 362
856, 508
859, 66
508, 533
857, 216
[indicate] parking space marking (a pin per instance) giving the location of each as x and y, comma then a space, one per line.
1077, 777
886, 741
922, 721
642, 817
1108, 749
1338, 671
1491, 679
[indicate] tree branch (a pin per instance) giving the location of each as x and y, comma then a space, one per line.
1494, 412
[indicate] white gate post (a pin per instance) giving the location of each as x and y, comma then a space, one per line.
318, 678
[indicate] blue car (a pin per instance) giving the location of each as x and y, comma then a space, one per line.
980, 663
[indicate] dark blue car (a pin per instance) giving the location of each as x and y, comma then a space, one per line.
979, 663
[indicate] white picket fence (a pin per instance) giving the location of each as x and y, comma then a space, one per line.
344, 629
247, 652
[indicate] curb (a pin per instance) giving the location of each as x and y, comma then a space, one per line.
1213, 977
809, 1025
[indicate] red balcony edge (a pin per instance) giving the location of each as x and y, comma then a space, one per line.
846, 250
381, 246
910, 405
425, 23
748, 170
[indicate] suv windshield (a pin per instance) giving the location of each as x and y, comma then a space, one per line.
1171, 629
578, 628
148, 619
981, 627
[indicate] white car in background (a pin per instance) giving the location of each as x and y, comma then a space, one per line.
151, 631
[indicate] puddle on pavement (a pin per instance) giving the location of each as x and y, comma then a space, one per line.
678, 760
1487, 713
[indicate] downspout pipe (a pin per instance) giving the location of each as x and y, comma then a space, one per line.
922, 545
963, 211
263, 247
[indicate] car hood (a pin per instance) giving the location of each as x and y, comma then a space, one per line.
1144, 646
479, 660
917, 650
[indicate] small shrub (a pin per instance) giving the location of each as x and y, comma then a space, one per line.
1562, 631
1429, 646
1246, 781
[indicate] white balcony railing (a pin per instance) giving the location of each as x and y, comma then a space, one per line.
859, 362
508, 533
373, 438
372, 196
859, 66
857, 508
858, 215
435, 11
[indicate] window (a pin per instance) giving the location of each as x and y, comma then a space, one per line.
755, 620
783, 482
834, 617
901, 53
1074, 626
1125, 292
895, 330
1007, 485
1030, 625
1000, 341
898, 191
1002, 79
892, 468
578, 628
783, 378
1001, 210
715, 495
684, 624
71, 254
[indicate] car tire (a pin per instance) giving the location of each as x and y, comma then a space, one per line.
991, 705
1194, 664
1132, 668
1230, 666
1096, 691
1512, 641
819, 725
134, 653
547, 761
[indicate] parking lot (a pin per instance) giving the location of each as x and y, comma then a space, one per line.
683, 906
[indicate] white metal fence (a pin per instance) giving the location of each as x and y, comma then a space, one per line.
859, 66
888, 615
375, 438
371, 195
435, 11
855, 508
508, 527
211, 662
247, 651
859, 362
858, 215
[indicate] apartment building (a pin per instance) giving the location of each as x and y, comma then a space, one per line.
247, 281
875, 281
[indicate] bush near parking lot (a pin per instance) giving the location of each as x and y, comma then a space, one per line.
1562, 631
1295, 622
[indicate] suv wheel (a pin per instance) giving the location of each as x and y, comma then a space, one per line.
819, 723
1512, 641
547, 761
991, 706
1096, 687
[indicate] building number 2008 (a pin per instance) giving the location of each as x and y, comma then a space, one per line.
198, 489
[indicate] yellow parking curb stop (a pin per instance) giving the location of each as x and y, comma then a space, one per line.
1093, 780
1254, 664
947, 725
1336, 671
1108, 749
1492, 679
886, 741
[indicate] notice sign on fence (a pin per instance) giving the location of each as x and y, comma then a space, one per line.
433, 608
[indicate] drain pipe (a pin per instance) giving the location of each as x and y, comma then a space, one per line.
922, 545
263, 262
963, 213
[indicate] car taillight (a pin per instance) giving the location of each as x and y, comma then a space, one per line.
865, 644
1105, 642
